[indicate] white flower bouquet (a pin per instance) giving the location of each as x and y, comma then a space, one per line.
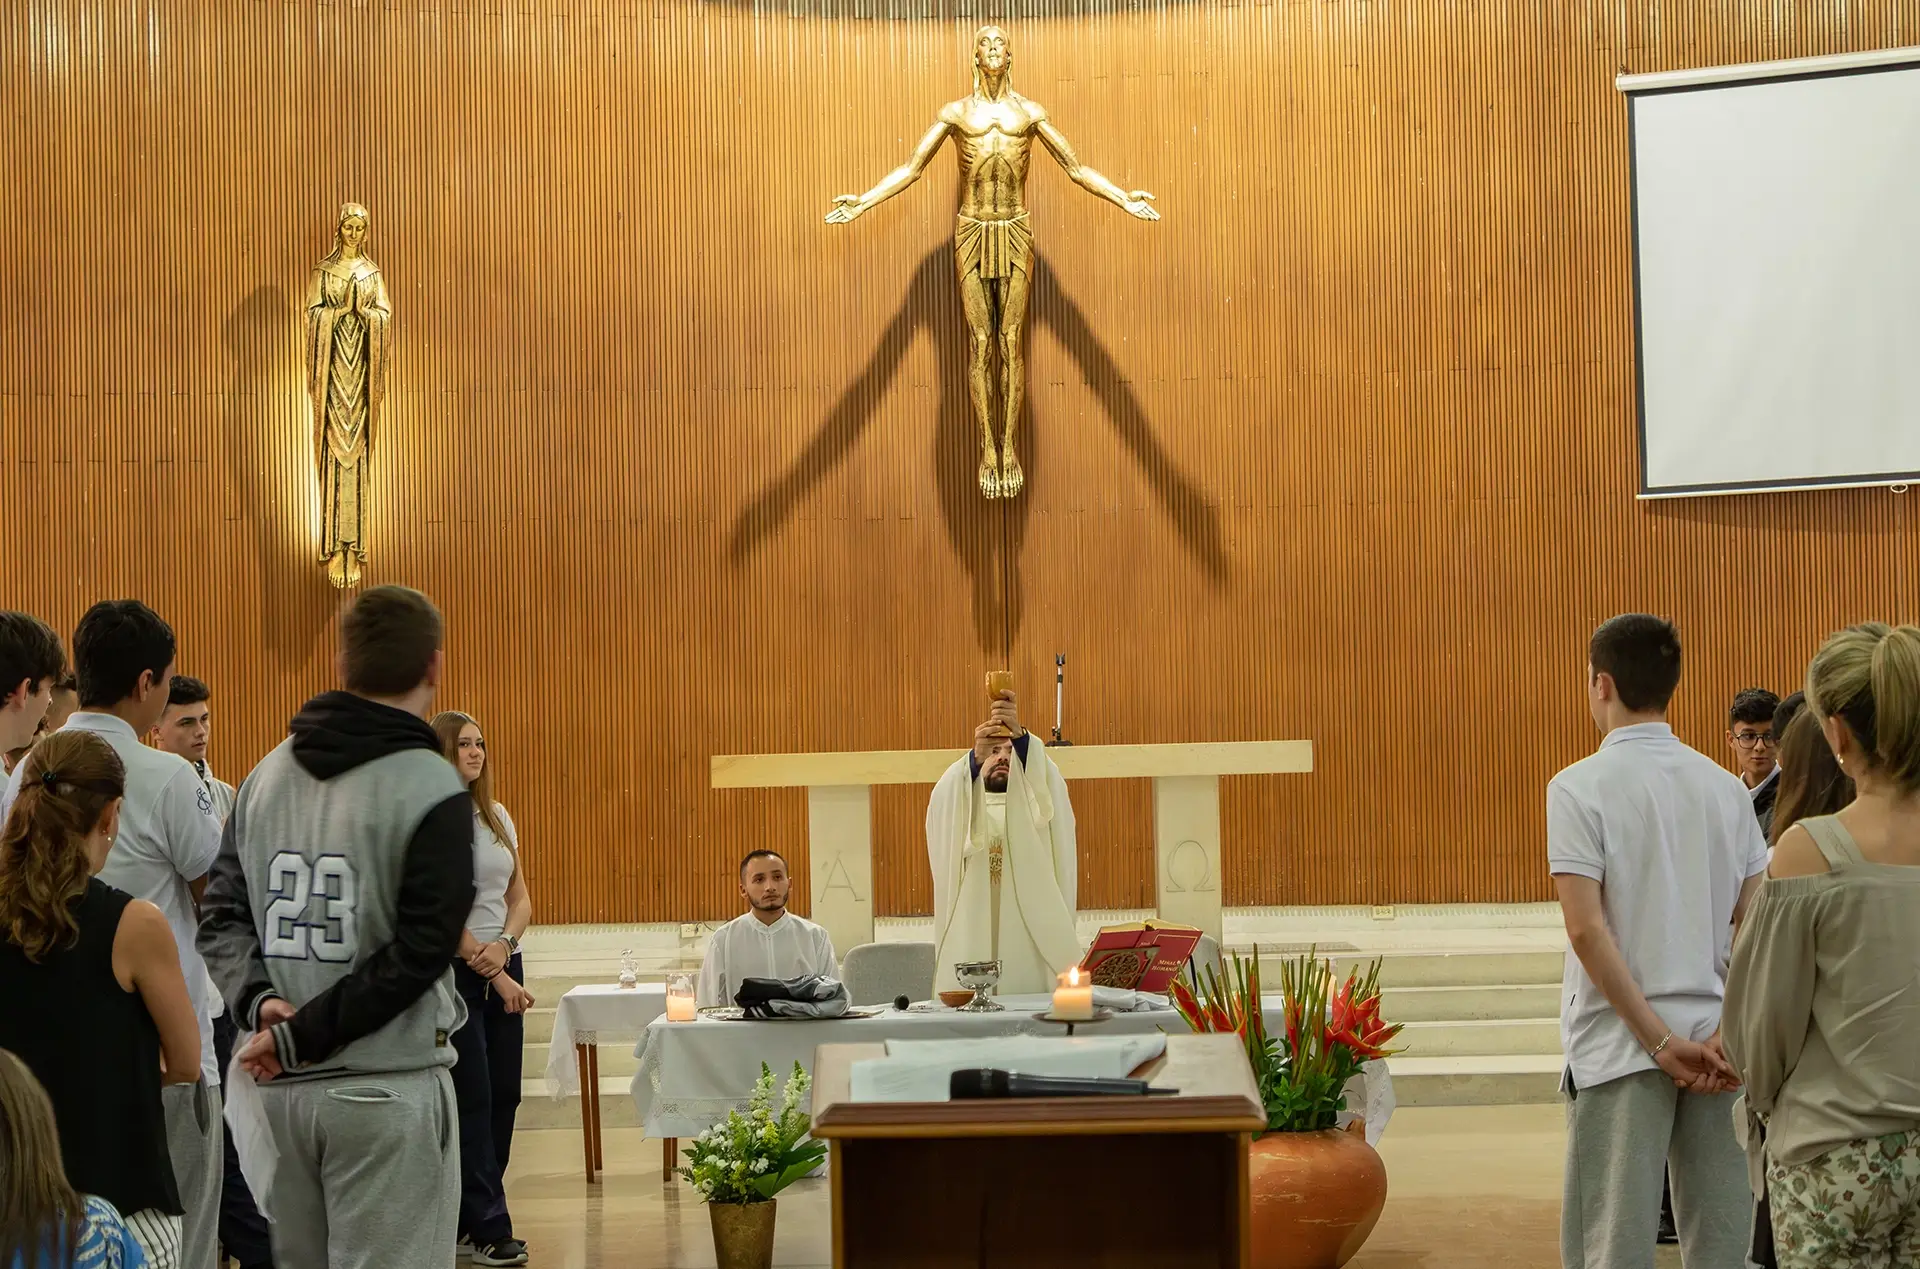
756, 1154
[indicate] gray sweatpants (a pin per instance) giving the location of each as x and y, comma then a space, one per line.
1623, 1137
369, 1171
195, 1143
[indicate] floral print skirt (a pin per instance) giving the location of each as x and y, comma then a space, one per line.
1857, 1204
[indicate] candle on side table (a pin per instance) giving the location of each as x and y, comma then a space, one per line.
1073, 998
681, 1005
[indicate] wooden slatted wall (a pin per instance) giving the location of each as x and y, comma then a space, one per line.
1342, 449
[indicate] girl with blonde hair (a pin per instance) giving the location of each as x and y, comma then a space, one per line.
489, 974
1822, 1014
44, 1222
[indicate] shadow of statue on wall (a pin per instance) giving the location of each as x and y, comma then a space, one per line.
986, 535
268, 449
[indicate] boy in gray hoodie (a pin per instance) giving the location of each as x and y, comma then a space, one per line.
330, 924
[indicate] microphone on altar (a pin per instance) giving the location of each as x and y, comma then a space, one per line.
988, 1083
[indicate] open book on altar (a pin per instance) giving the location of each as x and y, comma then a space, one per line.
1140, 955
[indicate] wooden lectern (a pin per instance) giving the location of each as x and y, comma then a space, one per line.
1054, 1183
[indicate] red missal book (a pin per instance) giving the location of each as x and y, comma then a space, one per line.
1141, 955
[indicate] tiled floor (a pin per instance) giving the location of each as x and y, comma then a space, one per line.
1469, 1188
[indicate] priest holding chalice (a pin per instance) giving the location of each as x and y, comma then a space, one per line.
1005, 871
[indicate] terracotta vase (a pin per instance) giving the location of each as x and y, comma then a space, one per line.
1316, 1196
743, 1234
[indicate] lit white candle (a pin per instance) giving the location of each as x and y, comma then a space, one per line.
1073, 998
681, 1005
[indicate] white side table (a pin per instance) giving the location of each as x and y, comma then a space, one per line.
585, 1015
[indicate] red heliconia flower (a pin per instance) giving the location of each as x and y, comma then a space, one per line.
1340, 1013
1375, 1034
1184, 1002
1361, 1030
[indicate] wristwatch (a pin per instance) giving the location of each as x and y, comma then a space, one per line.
513, 944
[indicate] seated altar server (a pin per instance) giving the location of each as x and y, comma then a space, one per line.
767, 941
1005, 872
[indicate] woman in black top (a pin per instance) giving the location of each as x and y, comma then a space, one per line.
91, 994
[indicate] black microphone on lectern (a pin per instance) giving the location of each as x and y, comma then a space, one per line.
971, 1085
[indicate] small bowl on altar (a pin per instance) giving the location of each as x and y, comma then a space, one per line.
954, 999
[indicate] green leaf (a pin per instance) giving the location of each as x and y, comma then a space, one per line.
798, 1164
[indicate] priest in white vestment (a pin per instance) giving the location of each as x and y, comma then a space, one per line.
767, 941
1005, 871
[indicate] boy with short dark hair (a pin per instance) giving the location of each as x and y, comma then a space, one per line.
1754, 742
31, 659
766, 941
332, 920
1655, 853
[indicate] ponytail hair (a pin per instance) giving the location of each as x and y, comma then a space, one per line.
67, 782
1869, 677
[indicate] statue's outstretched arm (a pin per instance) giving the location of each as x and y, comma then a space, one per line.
1135, 202
848, 206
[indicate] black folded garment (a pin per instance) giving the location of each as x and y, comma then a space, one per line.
809, 996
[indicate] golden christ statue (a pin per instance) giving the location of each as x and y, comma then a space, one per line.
993, 132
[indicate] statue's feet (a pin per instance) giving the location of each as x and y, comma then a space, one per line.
1012, 479
343, 570
989, 475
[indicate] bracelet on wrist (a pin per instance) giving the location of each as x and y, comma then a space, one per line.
1661, 1047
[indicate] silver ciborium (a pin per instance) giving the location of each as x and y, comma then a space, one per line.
979, 977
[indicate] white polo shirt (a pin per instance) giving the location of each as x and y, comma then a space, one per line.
168, 837
1670, 836
223, 793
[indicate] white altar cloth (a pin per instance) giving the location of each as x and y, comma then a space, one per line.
692, 1073
592, 1013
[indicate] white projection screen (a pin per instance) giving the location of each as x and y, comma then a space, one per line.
1776, 255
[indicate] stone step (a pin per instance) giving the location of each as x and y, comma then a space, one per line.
1511, 1080
1449, 968
538, 1110
1489, 1037
1469, 969
539, 1021
1457, 1004
548, 988
616, 1058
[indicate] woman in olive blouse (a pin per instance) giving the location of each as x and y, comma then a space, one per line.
1822, 1013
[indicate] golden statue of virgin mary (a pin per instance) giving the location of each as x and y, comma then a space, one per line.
349, 323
